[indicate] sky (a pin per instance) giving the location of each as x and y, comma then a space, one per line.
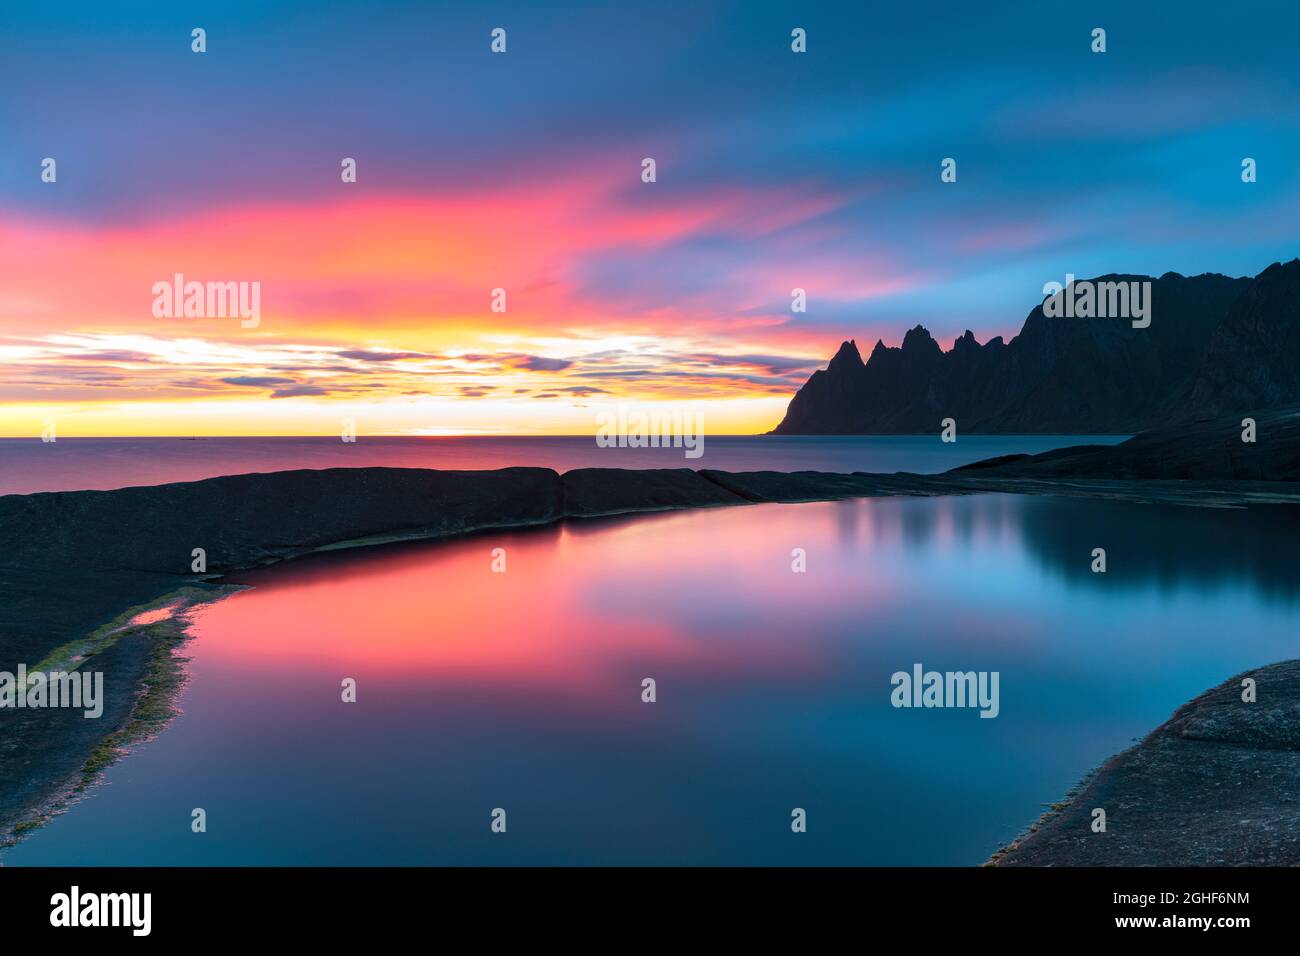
522, 171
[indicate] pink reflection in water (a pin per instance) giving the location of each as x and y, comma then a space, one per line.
153, 616
585, 606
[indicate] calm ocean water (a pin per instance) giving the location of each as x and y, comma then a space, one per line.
522, 690
28, 465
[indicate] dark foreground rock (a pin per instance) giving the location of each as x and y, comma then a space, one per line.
780, 486
593, 492
1213, 786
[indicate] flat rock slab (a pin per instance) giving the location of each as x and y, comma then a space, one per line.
795, 486
1218, 784
589, 492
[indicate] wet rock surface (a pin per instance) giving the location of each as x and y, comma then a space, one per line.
1215, 785
589, 492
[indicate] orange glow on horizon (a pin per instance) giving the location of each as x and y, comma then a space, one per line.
379, 308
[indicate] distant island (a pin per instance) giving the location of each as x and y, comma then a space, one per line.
1214, 346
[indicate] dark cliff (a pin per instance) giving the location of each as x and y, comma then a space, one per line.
1215, 346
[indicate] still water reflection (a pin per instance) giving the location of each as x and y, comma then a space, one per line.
522, 690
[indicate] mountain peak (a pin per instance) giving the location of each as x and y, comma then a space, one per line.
1281, 268
1233, 346
847, 355
918, 337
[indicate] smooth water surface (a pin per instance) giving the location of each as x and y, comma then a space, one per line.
522, 690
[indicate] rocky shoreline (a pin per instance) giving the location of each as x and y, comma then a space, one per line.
75, 561
1212, 786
